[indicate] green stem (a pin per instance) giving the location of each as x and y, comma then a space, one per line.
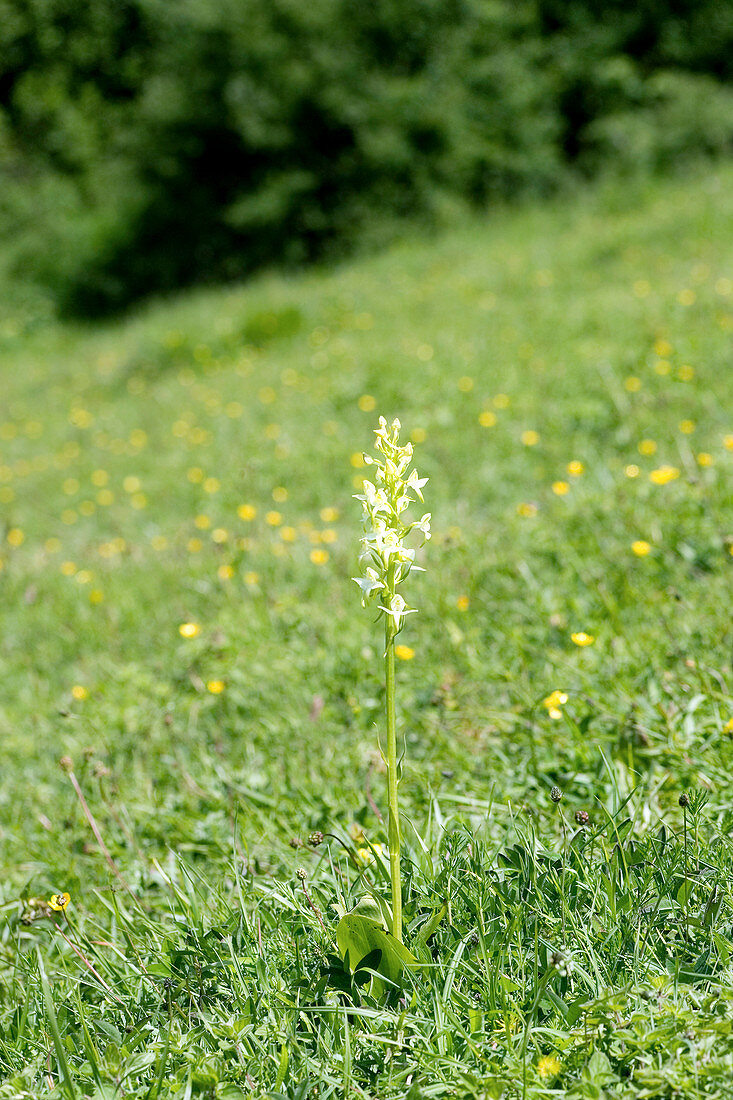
393, 826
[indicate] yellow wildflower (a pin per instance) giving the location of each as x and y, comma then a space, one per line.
59, 902
549, 1066
663, 475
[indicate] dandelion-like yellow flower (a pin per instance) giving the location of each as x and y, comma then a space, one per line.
549, 1066
79, 692
641, 548
728, 727
368, 855
582, 639
462, 603
246, 511
530, 438
215, 686
404, 652
575, 468
560, 488
663, 475
487, 419
59, 902
189, 630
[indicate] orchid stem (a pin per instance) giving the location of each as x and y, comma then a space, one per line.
393, 826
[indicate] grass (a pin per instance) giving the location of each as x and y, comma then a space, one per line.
194, 464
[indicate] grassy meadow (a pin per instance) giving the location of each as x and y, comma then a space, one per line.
190, 689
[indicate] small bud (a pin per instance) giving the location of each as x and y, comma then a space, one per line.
66, 764
301, 874
684, 801
561, 961
555, 794
582, 817
315, 838
295, 842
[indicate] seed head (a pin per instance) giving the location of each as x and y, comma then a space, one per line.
66, 764
301, 874
556, 794
295, 842
684, 800
582, 817
315, 838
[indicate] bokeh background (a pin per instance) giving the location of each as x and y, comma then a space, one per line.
146, 145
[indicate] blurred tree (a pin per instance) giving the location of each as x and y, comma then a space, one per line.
147, 144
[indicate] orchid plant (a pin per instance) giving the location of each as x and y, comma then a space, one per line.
388, 560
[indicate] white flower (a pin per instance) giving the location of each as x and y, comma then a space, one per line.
416, 483
369, 584
423, 525
398, 609
384, 500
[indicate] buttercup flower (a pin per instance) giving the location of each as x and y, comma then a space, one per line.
59, 902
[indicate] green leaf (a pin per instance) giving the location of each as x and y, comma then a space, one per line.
360, 939
64, 1071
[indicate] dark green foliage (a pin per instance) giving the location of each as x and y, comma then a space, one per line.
146, 145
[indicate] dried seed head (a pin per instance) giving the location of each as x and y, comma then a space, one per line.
315, 838
555, 794
295, 842
301, 874
684, 801
582, 817
66, 764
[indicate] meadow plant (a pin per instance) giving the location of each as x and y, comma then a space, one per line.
388, 561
